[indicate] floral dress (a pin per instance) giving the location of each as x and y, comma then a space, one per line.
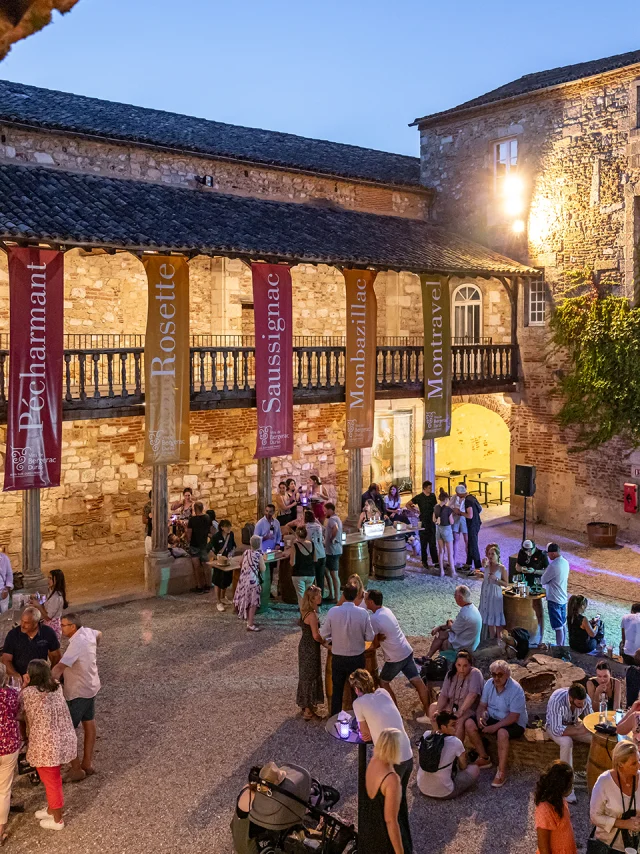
249, 586
52, 738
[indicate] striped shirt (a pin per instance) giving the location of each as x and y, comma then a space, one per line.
560, 714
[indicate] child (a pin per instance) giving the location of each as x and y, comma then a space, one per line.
553, 821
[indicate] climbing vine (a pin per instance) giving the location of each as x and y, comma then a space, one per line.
601, 386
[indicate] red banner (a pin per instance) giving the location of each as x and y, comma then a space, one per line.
274, 359
34, 431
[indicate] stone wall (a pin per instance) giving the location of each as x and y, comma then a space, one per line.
105, 484
124, 160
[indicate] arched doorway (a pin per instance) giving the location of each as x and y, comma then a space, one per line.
467, 314
481, 440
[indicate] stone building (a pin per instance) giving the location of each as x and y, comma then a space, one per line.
547, 170
108, 182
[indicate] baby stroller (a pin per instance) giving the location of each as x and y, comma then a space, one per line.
292, 817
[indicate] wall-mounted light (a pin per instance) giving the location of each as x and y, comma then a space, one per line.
518, 226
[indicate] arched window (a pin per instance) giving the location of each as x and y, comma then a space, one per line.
467, 314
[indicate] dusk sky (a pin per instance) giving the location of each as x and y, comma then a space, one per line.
346, 70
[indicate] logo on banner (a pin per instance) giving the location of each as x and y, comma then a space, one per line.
34, 434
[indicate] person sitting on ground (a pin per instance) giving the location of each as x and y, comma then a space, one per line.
302, 559
443, 518
333, 550
531, 562
630, 628
611, 809
604, 684
455, 774
249, 589
503, 712
55, 603
460, 692
463, 632
375, 711
52, 737
552, 817
28, 641
222, 544
565, 710
79, 665
584, 635
197, 535
361, 596
396, 649
384, 829
10, 742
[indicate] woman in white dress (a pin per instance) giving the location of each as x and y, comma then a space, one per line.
495, 578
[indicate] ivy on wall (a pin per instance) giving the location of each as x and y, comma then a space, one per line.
601, 387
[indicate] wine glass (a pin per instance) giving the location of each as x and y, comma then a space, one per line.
15, 682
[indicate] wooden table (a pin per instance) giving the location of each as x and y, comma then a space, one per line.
525, 612
496, 478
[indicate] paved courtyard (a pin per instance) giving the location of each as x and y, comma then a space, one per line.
191, 700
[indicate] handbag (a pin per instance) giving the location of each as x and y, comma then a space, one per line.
597, 846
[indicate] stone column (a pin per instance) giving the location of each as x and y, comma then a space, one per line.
160, 511
31, 539
429, 461
265, 495
355, 485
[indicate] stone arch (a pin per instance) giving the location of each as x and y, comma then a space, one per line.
495, 402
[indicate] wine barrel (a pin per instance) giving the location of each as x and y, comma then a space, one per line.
525, 613
354, 560
390, 557
599, 756
371, 664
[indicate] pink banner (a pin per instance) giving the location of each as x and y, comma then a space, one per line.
34, 431
274, 359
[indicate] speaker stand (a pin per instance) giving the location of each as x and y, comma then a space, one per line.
524, 521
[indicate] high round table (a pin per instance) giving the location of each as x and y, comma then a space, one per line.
525, 612
601, 747
354, 738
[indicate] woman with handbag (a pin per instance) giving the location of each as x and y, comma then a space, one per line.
552, 817
249, 589
613, 807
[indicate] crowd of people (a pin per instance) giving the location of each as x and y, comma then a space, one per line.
45, 695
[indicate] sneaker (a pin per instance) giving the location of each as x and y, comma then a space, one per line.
43, 813
483, 763
48, 823
423, 719
220, 606
571, 798
499, 780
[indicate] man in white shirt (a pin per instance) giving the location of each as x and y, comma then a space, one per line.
463, 632
442, 783
6, 582
565, 710
81, 684
555, 580
376, 711
630, 634
348, 628
396, 650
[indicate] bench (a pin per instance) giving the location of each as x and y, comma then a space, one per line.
537, 750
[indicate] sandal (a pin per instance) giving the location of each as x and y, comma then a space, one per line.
308, 716
254, 629
4, 838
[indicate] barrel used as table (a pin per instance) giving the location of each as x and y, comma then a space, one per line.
525, 612
601, 747
390, 557
371, 664
354, 560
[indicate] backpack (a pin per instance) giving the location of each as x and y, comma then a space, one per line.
435, 669
430, 750
521, 637
247, 533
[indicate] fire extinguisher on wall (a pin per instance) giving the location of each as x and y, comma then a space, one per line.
631, 498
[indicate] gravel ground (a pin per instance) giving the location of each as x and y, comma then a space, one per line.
191, 701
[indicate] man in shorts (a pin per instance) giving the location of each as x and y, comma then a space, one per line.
81, 684
555, 580
396, 650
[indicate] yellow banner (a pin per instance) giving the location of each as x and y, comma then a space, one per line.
437, 356
166, 361
362, 319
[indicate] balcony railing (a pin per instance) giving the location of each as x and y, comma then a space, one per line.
109, 381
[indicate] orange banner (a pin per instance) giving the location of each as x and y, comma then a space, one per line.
166, 361
360, 391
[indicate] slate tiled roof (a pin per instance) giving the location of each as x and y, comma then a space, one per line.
40, 203
53, 110
543, 80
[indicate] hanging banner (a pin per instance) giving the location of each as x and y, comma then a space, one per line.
360, 386
34, 417
437, 356
166, 361
272, 308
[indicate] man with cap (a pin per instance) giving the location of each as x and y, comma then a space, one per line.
555, 580
471, 511
531, 562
